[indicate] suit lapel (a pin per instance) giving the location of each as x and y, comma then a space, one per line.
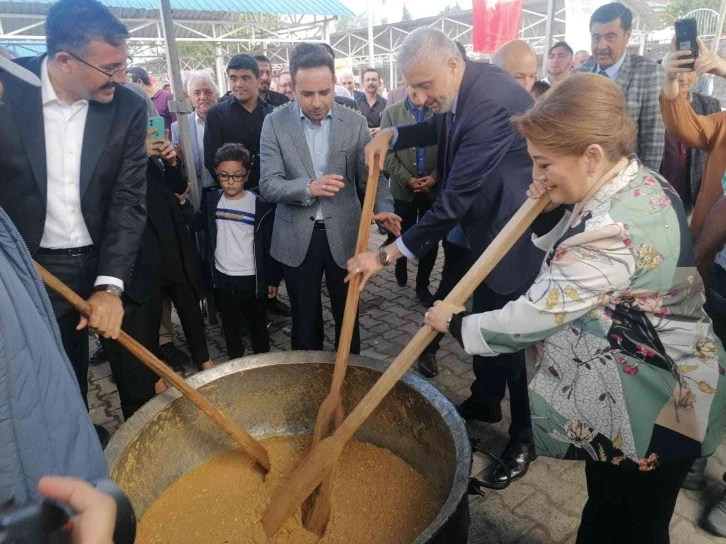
195, 147
27, 102
298, 136
626, 72
98, 127
337, 126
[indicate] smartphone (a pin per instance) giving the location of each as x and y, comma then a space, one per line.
157, 124
686, 35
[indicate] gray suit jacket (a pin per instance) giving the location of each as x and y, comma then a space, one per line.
198, 153
641, 80
286, 170
401, 164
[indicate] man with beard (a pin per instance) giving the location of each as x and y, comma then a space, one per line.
268, 96
371, 104
559, 63
312, 151
484, 170
73, 168
640, 78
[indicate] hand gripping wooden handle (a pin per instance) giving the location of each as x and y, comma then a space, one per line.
322, 458
242, 437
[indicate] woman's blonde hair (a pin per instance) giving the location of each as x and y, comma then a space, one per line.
583, 110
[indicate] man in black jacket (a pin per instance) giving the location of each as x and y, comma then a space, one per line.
273, 98
238, 119
73, 167
485, 171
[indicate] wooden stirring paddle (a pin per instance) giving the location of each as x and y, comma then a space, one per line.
316, 509
248, 444
322, 458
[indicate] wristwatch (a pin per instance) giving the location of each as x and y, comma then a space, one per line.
383, 257
109, 288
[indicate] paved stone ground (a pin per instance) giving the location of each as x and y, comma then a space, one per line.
542, 508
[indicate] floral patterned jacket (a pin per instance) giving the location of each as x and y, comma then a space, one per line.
629, 369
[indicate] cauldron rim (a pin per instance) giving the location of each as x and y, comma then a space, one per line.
459, 434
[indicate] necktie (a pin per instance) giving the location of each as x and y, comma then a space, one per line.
603, 73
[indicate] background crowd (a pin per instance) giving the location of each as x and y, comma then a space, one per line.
282, 162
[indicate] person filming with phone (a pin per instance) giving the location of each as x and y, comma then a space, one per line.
706, 133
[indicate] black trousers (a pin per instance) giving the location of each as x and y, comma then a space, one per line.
410, 213
457, 262
304, 284
78, 273
190, 316
630, 506
134, 380
495, 374
236, 298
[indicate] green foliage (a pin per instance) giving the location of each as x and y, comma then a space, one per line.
679, 8
406, 14
346, 24
448, 10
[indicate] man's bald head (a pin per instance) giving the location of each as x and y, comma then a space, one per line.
519, 59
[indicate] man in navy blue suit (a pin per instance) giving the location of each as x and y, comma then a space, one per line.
486, 170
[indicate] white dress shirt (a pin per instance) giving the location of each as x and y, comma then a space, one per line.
65, 125
613, 71
200, 125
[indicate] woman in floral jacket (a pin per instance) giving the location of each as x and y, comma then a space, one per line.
630, 375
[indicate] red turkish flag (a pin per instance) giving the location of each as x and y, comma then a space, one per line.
496, 22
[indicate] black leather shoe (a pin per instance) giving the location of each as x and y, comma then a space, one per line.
277, 307
173, 356
427, 365
471, 409
98, 357
401, 276
696, 478
103, 435
424, 296
517, 456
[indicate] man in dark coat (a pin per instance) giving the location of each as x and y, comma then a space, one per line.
485, 171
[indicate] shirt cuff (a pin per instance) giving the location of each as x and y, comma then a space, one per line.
392, 145
109, 280
471, 337
403, 249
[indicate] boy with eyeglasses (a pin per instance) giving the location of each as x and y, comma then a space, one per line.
239, 230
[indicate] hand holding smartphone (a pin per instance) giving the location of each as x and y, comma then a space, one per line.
157, 124
687, 39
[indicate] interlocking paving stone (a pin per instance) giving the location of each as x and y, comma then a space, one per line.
542, 508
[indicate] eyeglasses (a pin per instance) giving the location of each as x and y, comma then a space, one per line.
109, 75
223, 176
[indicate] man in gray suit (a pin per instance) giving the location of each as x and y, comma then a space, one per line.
203, 95
639, 78
311, 152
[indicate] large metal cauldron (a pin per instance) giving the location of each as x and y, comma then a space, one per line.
279, 394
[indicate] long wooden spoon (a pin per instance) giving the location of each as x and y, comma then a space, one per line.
248, 444
316, 509
322, 458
